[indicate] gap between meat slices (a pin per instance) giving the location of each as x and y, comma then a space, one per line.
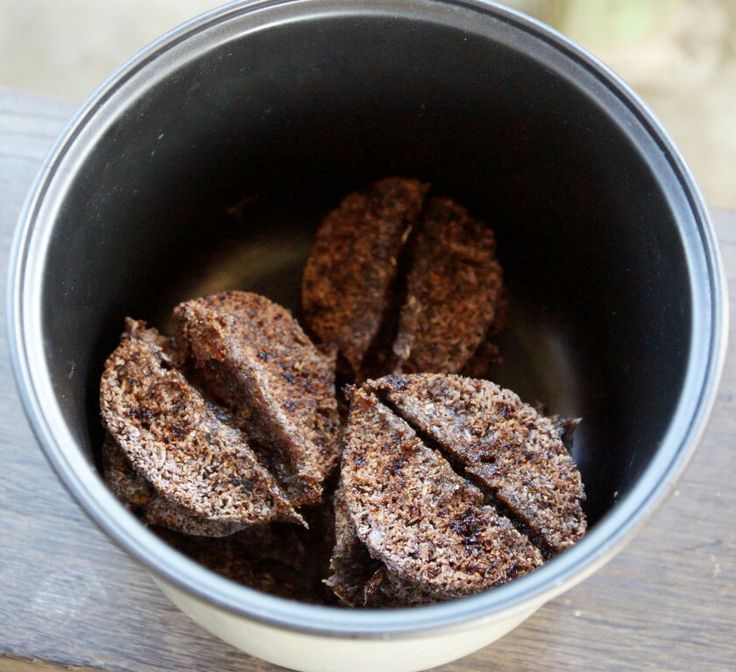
400, 282
504, 445
349, 276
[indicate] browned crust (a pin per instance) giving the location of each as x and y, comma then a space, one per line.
427, 525
506, 445
132, 490
254, 356
177, 444
479, 365
385, 590
348, 277
452, 291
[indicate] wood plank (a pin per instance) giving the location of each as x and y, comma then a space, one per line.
70, 597
19, 665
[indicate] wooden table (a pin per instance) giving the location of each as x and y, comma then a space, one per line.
70, 597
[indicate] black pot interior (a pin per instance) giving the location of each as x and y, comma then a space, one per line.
219, 176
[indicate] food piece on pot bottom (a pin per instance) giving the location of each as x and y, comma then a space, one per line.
350, 273
488, 352
178, 445
412, 303
152, 508
356, 578
453, 287
276, 558
503, 444
253, 355
427, 526
351, 566
132, 490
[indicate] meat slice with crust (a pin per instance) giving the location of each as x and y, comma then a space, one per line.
253, 355
509, 449
453, 288
351, 565
350, 273
426, 524
174, 441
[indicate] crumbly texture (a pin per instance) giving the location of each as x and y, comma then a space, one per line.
356, 578
385, 590
479, 365
488, 353
225, 436
505, 445
351, 566
348, 278
426, 524
452, 290
176, 443
132, 490
254, 356
151, 507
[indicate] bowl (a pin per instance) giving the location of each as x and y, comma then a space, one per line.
206, 163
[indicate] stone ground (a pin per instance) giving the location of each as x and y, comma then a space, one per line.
680, 55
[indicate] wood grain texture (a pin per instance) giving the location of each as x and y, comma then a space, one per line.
69, 597
21, 665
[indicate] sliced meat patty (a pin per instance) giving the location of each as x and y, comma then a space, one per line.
348, 278
132, 490
177, 444
385, 590
254, 356
426, 524
453, 288
504, 444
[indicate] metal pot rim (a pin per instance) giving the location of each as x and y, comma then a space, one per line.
608, 537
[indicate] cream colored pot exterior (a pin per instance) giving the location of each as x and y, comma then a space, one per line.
313, 653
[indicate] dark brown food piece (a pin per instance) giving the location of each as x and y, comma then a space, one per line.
452, 290
488, 353
348, 278
504, 444
272, 558
427, 525
384, 590
479, 365
176, 443
351, 565
132, 490
357, 579
254, 356
151, 507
